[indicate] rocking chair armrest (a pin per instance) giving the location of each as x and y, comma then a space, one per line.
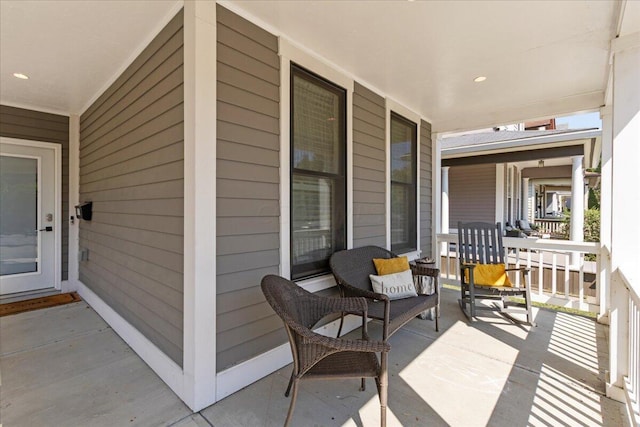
522, 269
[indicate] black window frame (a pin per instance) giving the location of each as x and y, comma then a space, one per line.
412, 220
339, 199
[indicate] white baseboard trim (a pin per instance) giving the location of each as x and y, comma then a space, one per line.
246, 373
160, 363
616, 393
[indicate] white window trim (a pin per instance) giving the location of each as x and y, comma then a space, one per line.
290, 53
393, 106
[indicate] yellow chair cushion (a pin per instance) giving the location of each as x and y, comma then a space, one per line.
386, 266
489, 275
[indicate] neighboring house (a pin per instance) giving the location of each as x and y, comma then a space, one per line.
510, 175
229, 147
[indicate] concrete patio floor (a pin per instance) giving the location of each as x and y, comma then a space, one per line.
64, 366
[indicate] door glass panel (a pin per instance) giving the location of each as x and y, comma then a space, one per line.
18, 215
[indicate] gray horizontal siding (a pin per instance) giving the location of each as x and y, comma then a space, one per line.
248, 206
426, 190
35, 125
132, 169
369, 178
472, 194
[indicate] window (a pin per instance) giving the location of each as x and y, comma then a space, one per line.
318, 165
403, 184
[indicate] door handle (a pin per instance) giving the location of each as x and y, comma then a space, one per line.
46, 229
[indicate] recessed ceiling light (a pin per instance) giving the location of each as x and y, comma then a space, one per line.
21, 76
479, 79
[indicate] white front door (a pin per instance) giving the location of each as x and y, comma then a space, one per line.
29, 223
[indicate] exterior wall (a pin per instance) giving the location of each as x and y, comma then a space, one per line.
37, 126
426, 190
248, 235
472, 194
132, 168
369, 179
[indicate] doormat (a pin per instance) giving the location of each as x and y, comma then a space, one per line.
38, 303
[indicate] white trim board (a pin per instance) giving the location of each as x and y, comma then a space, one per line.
159, 362
200, 153
246, 373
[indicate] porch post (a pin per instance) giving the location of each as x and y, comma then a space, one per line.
445, 200
577, 205
525, 200
605, 215
625, 177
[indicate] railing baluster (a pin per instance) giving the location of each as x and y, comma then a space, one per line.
581, 279
541, 273
567, 275
554, 279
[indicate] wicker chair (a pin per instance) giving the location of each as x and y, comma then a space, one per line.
481, 243
317, 356
351, 269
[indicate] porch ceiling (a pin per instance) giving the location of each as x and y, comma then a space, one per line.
540, 58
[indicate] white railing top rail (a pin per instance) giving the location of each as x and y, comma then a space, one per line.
546, 244
627, 283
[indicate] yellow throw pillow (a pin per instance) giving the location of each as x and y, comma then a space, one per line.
489, 275
386, 266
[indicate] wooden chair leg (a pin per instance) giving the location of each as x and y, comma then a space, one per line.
362, 385
472, 303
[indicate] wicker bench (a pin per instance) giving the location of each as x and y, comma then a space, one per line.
351, 269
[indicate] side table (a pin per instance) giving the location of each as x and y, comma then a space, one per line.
425, 276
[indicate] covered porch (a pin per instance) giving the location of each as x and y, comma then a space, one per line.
502, 374
174, 121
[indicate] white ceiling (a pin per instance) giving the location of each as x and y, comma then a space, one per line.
541, 58
70, 49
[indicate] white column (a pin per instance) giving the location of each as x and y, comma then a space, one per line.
445, 200
577, 205
444, 206
625, 234
436, 153
525, 200
199, 361
605, 214
625, 177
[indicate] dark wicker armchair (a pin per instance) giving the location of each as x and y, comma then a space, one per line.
317, 356
351, 269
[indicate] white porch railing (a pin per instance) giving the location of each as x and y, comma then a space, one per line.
632, 379
549, 226
554, 279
